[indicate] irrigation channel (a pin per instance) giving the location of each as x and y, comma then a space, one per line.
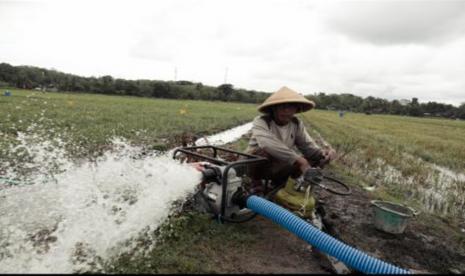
62, 223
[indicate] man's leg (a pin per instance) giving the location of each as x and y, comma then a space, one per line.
281, 172
275, 171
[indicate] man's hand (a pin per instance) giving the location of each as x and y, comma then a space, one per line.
313, 175
302, 164
328, 156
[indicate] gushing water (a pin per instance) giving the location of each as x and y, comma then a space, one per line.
225, 136
67, 221
88, 210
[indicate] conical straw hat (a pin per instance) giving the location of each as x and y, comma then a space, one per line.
286, 95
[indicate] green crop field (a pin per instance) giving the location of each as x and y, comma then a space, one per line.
440, 141
98, 117
85, 123
418, 159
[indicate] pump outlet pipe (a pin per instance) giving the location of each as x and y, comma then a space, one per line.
352, 257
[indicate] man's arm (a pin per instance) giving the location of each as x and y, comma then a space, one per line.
306, 145
317, 157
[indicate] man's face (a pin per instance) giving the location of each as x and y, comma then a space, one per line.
283, 113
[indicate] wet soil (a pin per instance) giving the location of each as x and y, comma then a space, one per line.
427, 245
421, 248
276, 251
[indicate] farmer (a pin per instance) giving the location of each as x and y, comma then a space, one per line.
282, 138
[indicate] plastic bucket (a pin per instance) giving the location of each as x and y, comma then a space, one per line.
391, 217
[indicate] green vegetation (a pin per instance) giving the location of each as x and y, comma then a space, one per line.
91, 120
29, 77
434, 140
190, 242
84, 124
398, 155
372, 105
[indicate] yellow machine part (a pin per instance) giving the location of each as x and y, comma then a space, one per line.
301, 203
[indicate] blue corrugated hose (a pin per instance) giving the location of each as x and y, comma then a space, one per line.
352, 257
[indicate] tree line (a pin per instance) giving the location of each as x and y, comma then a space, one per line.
372, 105
30, 77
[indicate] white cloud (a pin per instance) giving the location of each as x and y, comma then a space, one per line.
392, 22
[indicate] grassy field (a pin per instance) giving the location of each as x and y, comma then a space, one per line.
439, 141
409, 159
98, 117
85, 123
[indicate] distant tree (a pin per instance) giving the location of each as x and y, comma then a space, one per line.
368, 104
225, 91
349, 102
460, 113
145, 88
396, 108
161, 90
106, 84
322, 100
8, 73
414, 108
183, 82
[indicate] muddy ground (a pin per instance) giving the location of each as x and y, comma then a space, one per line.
428, 245
276, 251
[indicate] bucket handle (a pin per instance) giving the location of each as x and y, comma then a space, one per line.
414, 212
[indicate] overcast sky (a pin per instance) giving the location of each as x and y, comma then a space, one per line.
387, 49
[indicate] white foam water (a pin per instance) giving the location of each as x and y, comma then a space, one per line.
225, 136
89, 211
